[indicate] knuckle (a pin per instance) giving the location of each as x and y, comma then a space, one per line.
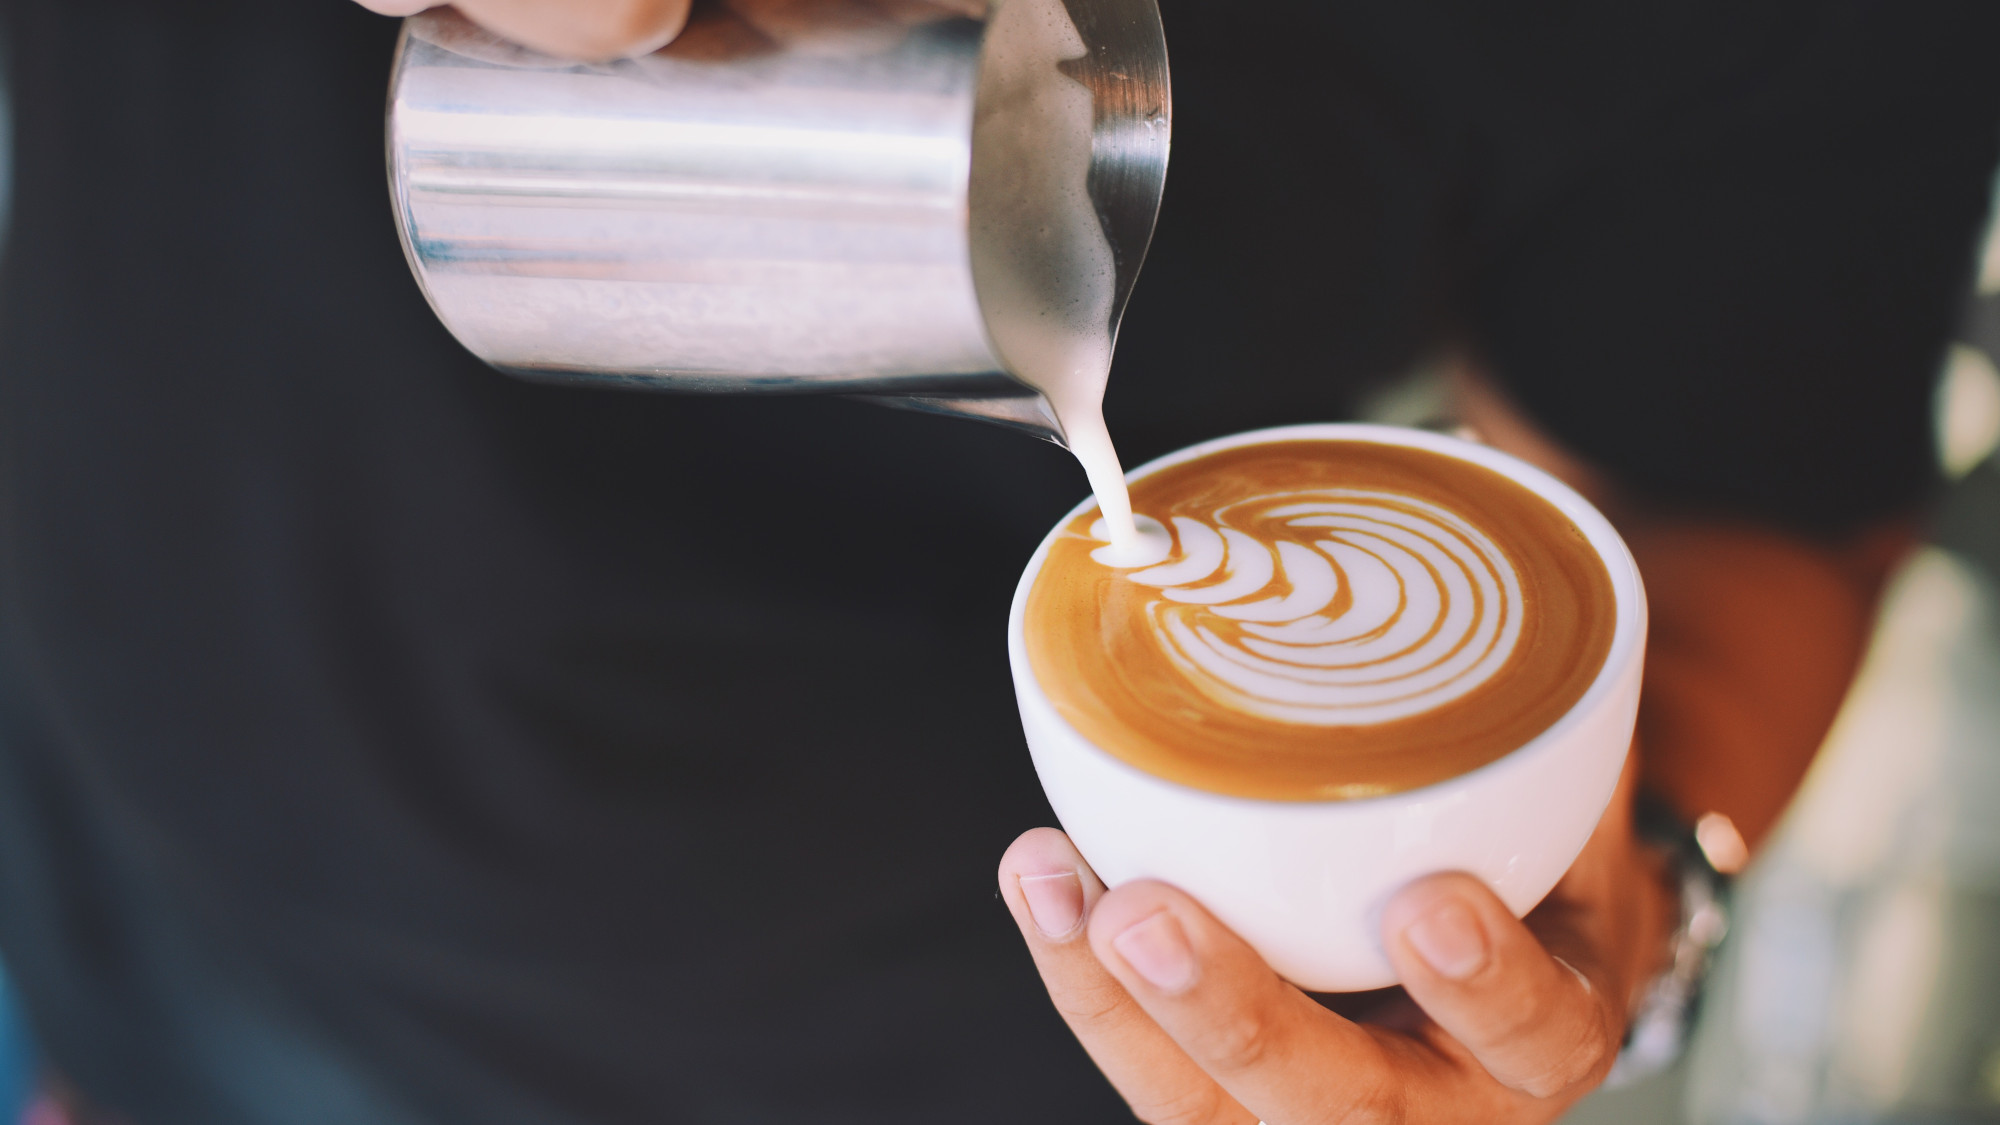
1586, 1055
1508, 1025
1525, 1014
1239, 1041
1091, 1004
1383, 1103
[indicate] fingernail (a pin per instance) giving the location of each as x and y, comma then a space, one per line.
1449, 939
1055, 902
1158, 950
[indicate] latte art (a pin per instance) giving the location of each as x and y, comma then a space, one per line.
1354, 607
1306, 620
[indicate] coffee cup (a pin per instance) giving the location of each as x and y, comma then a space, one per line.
1304, 882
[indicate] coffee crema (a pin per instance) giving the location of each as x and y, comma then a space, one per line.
1321, 619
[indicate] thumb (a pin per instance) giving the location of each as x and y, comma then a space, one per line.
1538, 1023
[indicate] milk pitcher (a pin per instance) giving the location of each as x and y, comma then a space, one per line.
879, 214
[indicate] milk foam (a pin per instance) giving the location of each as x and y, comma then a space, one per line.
1045, 270
1391, 607
1313, 619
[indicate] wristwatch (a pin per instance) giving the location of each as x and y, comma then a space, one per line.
1704, 856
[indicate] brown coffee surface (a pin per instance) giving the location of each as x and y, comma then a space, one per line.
1336, 619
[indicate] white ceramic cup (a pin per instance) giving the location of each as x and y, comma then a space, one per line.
1304, 882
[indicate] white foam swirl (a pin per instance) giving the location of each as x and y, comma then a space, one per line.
1358, 607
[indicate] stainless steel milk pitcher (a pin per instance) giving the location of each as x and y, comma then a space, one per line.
794, 218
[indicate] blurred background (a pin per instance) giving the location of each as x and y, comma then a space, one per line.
1861, 980
16, 1053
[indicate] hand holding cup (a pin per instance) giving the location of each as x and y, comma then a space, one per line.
1372, 702
1498, 1020
1367, 655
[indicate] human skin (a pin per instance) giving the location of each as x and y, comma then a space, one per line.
580, 29
608, 29
1755, 635
1498, 1019
1755, 632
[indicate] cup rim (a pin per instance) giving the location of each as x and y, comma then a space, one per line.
1628, 592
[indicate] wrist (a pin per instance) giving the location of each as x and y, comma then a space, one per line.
1695, 896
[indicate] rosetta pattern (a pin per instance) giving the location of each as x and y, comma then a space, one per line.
1330, 608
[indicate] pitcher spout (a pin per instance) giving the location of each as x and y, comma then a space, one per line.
1005, 403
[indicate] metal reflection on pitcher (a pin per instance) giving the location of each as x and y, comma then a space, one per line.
950, 218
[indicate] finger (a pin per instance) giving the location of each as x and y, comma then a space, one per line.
398, 7
1266, 1043
1051, 892
1615, 905
583, 29
716, 34
1538, 1023
819, 23
929, 11
836, 26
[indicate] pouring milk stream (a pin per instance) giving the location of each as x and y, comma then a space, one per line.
1042, 262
